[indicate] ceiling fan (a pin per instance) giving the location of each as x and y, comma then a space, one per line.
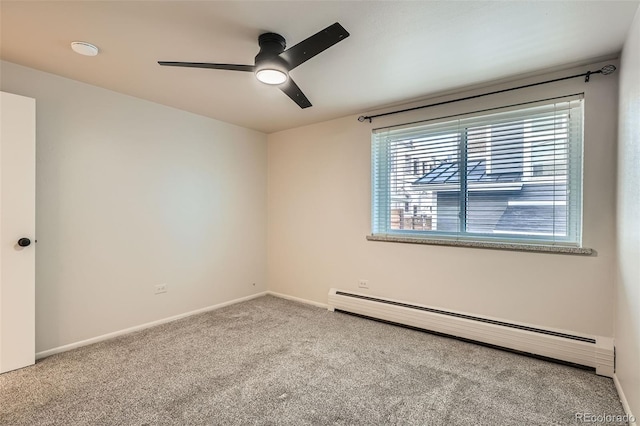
273, 63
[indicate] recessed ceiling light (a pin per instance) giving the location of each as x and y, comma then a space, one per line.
84, 48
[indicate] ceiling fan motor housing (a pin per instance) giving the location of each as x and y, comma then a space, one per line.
271, 46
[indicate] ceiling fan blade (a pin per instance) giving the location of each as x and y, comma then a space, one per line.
293, 91
314, 45
230, 67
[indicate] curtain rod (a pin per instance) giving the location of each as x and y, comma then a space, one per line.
606, 70
537, 101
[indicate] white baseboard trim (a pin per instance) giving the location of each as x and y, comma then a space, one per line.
70, 346
623, 400
298, 299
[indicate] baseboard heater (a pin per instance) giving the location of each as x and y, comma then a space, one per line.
589, 351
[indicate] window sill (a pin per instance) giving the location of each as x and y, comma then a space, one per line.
583, 251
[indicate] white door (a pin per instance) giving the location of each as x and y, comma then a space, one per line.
17, 231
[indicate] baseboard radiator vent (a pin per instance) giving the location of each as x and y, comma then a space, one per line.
589, 351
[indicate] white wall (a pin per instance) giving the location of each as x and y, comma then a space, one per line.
627, 318
131, 194
319, 215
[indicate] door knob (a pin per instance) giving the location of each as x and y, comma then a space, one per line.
24, 242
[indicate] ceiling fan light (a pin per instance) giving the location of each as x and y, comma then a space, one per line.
271, 76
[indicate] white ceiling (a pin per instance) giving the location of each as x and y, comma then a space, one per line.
397, 51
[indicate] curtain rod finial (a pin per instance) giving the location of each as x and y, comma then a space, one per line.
607, 69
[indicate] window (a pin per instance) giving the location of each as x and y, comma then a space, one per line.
512, 176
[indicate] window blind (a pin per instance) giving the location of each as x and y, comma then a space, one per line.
514, 175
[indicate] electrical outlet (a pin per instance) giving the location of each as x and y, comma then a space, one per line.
363, 283
161, 288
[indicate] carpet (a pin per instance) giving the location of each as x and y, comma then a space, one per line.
270, 361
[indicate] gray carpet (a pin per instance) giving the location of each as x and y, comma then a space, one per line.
273, 361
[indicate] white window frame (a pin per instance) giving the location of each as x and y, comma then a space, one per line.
381, 195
